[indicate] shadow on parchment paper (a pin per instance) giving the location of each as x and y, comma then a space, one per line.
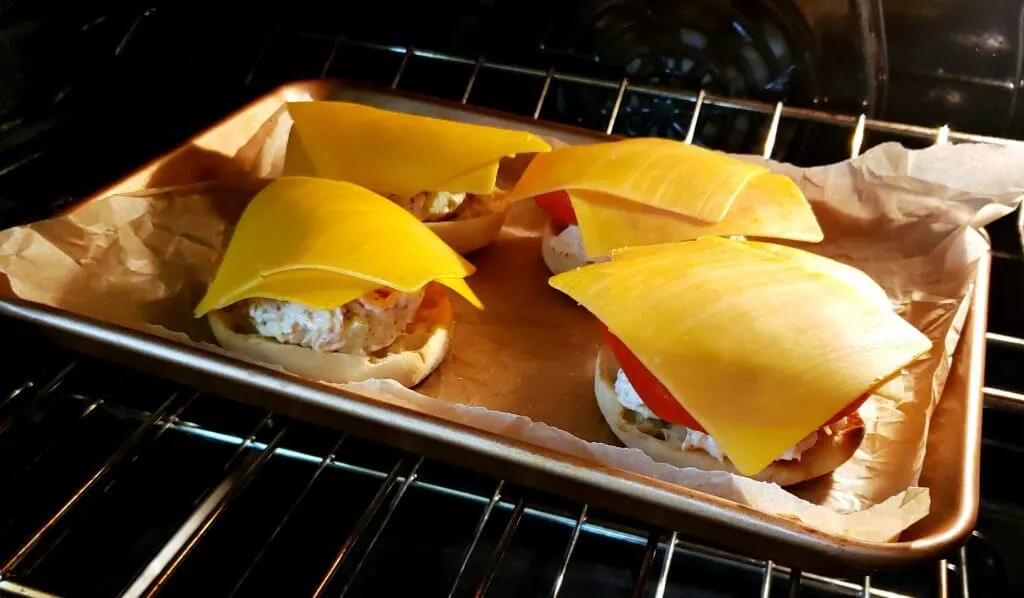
194, 164
156, 274
232, 188
531, 350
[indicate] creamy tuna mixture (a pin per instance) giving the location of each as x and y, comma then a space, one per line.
687, 439
437, 206
431, 206
363, 326
569, 242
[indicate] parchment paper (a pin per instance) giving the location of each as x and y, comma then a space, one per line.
523, 367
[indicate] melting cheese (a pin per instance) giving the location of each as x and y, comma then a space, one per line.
769, 207
324, 243
394, 153
761, 349
647, 191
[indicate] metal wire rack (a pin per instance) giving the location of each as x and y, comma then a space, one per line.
42, 415
860, 123
71, 389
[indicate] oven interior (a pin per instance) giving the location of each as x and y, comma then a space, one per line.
117, 482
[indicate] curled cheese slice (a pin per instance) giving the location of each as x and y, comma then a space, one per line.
646, 191
324, 243
771, 206
397, 153
319, 289
760, 347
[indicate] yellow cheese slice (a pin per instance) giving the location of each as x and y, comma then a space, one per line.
646, 191
297, 161
397, 153
840, 272
771, 206
660, 173
759, 348
323, 243
319, 289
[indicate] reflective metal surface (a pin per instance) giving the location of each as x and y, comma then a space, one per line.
236, 501
713, 519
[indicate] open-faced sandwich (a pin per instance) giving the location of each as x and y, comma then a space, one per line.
335, 283
740, 356
646, 191
442, 172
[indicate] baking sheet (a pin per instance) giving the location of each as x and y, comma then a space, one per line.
154, 252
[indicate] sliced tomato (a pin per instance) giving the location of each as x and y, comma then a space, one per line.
651, 391
557, 205
658, 398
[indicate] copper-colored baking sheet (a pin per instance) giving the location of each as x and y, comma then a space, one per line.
950, 471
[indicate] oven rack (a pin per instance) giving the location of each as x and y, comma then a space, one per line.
267, 441
76, 385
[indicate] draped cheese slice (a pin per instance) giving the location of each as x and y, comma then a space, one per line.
296, 161
324, 243
813, 262
771, 206
761, 348
397, 153
840, 272
646, 191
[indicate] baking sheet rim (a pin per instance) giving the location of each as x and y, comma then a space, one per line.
718, 510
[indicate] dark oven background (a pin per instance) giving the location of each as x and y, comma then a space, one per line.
89, 91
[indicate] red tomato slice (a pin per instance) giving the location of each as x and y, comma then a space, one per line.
651, 391
658, 398
557, 205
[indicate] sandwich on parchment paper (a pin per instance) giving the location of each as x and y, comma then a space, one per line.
443, 172
740, 356
335, 283
646, 191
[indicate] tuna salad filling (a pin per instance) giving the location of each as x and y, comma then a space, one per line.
641, 416
438, 206
363, 326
